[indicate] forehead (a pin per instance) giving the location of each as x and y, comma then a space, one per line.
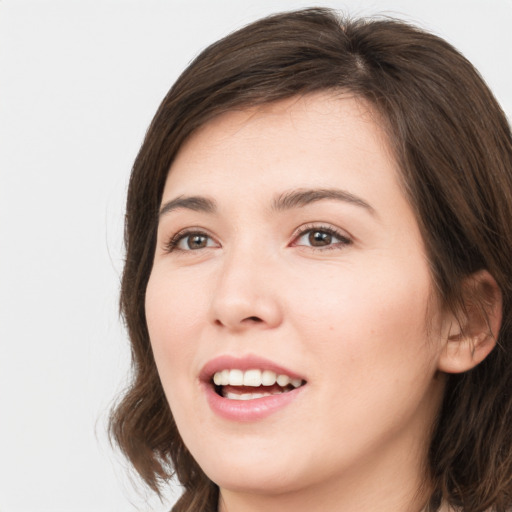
303, 141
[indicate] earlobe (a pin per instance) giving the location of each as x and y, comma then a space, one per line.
470, 338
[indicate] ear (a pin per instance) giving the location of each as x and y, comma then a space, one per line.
470, 336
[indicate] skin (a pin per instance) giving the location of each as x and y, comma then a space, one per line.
356, 317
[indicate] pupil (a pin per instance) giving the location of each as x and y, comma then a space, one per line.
319, 238
196, 241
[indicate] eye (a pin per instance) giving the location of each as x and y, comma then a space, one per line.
321, 238
190, 241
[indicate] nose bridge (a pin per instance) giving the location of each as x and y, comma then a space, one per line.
245, 292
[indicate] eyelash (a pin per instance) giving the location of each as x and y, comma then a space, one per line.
172, 244
344, 240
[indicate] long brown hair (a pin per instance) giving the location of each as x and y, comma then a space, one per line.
454, 148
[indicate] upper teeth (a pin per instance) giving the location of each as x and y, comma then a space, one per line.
253, 378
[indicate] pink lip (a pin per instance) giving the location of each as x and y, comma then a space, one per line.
245, 410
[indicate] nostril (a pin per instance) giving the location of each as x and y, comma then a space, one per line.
253, 319
241, 322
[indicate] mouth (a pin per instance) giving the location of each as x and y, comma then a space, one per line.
253, 384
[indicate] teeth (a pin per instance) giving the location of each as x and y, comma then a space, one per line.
253, 378
249, 396
296, 383
236, 378
283, 380
221, 378
268, 378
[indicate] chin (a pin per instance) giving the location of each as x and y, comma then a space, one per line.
254, 480
253, 471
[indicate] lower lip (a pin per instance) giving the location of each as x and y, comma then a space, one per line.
249, 410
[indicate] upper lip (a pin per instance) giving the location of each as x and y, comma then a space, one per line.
247, 362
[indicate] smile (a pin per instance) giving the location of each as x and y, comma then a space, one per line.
249, 388
236, 384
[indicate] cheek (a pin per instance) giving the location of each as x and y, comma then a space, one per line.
171, 300
372, 356
370, 317
174, 312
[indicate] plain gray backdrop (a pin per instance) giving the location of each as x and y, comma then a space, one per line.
79, 84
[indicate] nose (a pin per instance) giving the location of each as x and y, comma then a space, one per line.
246, 295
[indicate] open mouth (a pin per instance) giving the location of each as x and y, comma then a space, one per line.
235, 384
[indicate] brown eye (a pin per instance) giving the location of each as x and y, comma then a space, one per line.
196, 241
319, 238
191, 242
322, 238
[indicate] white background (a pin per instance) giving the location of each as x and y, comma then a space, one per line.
79, 84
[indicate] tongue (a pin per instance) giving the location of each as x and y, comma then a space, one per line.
240, 390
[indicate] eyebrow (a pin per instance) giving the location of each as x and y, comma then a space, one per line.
195, 203
302, 197
286, 201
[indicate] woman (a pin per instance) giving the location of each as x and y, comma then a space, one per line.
318, 277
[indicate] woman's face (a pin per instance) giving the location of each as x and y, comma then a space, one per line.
286, 247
